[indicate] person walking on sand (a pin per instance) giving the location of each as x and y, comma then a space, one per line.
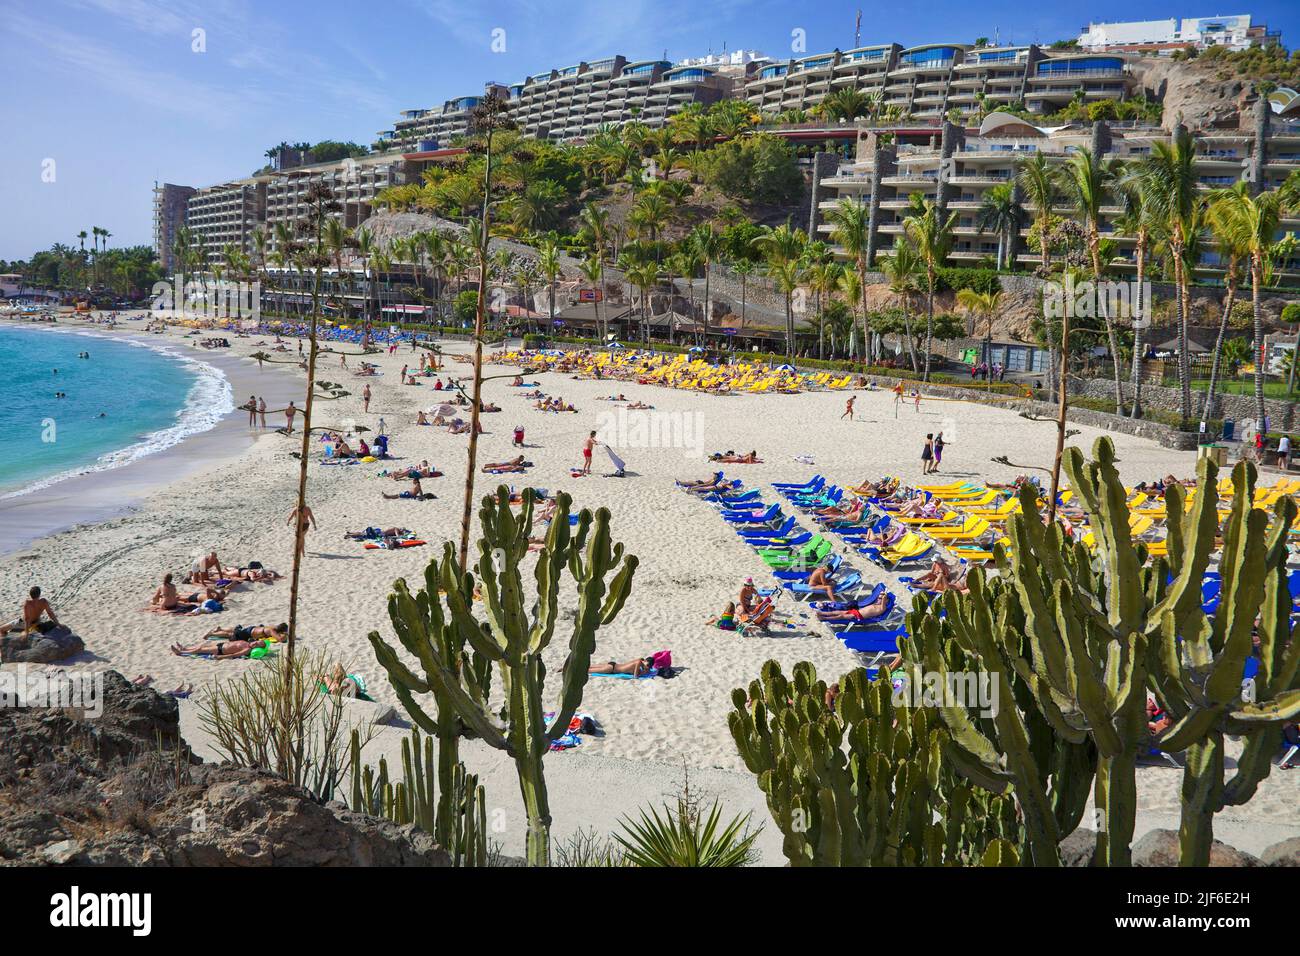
898, 396
916, 399
848, 408
587, 446
288, 414
938, 451
261, 409
365, 398
927, 455
301, 517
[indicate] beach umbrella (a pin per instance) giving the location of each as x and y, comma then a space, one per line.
697, 348
784, 368
445, 410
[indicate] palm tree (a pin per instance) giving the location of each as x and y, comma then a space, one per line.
849, 287
644, 275
742, 268
903, 273
823, 278
1090, 179
1040, 181
548, 264
782, 247
595, 220
931, 235
708, 245
1219, 215
1251, 224
593, 270
1135, 221
851, 220
1169, 183
985, 304
1000, 213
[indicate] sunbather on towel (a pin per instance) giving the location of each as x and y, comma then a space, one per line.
371, 534
749, 459
416, 493
499, 467
218, 650
890, 536
636, 667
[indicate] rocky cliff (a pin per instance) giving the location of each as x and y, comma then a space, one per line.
117, 790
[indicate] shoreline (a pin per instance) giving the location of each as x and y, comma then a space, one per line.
93, 495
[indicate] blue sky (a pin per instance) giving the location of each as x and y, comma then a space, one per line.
115, 95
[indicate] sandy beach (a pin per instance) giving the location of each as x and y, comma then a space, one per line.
100, 576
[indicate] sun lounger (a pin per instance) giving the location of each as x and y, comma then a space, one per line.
850, 583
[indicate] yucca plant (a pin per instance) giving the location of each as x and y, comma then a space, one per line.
686, 837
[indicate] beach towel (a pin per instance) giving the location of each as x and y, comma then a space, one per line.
651, 673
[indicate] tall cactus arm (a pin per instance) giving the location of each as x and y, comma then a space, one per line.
468, 628
402, 680
1190, 555
1274, 629
1223, 683
1285, 706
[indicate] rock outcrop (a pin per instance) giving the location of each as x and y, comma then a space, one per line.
1161, 848
56, 644
1194, 93
119, 789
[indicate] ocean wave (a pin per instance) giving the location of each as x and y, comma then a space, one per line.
210, 399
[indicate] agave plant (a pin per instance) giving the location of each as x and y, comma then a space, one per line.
684, 836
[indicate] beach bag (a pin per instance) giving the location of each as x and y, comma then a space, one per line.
661, 659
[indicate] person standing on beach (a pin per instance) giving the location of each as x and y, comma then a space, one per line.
916, 399
365, 398
848, 408
261, 409
302, 517
288, 414
938, 451
587, 446
252, 411
898, 396
927, 455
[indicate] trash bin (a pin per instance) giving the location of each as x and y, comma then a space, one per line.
1229, 427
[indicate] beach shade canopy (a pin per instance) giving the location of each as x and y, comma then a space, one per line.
1172, 346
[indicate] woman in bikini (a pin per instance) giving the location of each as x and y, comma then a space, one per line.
636, 667
218, 650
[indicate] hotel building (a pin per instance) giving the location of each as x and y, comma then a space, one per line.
927, 82
1166, 36
169, 211
957, 166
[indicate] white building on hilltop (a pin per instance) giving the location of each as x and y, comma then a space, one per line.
1165, 36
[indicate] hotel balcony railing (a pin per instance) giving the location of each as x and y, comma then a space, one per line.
1071, 74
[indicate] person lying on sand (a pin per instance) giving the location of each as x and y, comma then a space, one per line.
514, 464
425, 470
218, 650
254, 572
635, 667
258, 632
749, 459
371, 534
416, 493
639, 406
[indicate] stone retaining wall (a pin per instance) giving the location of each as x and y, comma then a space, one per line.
1282, 416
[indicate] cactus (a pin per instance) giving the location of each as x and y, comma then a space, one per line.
508, 638
1078, 638
416, 798
864, 783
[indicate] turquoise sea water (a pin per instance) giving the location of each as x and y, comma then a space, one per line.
127, 400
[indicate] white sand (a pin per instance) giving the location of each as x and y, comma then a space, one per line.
100, 577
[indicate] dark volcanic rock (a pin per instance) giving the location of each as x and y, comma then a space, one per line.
115, 790
58, 644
